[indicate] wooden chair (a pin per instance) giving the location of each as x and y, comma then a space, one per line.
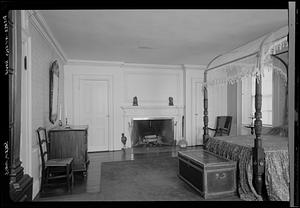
56, 168
223, 126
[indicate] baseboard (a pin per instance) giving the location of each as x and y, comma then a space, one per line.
100, 151
36, 197
199, 145
35, 189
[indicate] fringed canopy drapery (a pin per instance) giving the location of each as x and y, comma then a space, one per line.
252, 59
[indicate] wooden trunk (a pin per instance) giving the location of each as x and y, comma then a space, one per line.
69, 142
211, 175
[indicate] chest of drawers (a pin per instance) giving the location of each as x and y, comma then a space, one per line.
70, 142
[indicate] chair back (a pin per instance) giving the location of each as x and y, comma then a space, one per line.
44, 144
225, 123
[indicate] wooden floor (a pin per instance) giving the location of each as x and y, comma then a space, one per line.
89, 185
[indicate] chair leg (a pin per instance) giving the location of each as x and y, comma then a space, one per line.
72, 175
43, 181
72, 178
46, 177
68, 177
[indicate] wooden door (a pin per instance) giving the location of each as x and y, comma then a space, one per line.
93, 110
197, 112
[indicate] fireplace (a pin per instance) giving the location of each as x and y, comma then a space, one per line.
152, 132
152, 125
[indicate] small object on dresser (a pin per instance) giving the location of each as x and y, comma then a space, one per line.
171, 101
67, 125
60, 123
182, 143
135, 101
123, 140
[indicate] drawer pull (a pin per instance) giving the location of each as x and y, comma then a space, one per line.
220, 176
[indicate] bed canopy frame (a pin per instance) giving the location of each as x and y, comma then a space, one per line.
250, 60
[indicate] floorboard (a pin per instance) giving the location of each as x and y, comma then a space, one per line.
86, 188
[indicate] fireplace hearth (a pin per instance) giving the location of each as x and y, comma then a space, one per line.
152, 132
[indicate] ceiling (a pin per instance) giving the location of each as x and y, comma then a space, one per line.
158, 36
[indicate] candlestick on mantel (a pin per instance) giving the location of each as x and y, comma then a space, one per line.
66, 111
67, 125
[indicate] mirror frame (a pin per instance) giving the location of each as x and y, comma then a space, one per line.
54, 91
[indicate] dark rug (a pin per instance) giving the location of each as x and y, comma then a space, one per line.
151, 179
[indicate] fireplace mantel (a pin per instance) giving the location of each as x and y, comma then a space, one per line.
132, 112
151, 107
152, 110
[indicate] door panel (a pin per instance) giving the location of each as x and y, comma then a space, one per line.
94, 112
197, 112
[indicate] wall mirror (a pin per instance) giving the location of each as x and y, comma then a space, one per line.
54, 84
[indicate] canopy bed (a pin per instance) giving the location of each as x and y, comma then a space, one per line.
262, 158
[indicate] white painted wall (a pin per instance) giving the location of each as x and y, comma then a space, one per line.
74, 70
42, 55
217, 98
152, 84
192, 74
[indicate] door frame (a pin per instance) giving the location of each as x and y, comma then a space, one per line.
76, 91
194, 82
26, 106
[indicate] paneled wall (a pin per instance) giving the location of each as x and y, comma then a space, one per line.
232, 105
217, 98
193, 97
152, 84
76, 69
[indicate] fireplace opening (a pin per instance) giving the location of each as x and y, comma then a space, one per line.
152, 132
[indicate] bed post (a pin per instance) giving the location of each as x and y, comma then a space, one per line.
258, 151
205, 112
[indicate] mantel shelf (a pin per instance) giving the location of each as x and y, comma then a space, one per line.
152, 107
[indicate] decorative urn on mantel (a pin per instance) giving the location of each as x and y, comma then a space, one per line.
182, 143
123, 140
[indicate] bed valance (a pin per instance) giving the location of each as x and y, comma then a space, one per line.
252, 59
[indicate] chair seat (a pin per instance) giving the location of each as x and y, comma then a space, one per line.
53, 168
223, 126
58, 162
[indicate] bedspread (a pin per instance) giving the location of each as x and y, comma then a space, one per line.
239, 148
